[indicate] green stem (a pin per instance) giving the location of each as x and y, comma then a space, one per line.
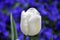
24, 37
34, 37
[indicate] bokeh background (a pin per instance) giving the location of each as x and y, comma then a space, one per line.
49, 10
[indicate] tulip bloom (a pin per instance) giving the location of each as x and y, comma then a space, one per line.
30, 22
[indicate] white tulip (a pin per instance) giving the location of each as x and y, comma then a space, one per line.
30, 22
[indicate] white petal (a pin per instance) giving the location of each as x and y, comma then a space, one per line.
24, 24
30, 22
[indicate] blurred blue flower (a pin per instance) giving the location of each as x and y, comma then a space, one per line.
58, 26
41, 39
18, 27
58, 17
16, 10
6, 33
2, 5
2, 26
49, 34
52, 18
46, 33
27, 38
31, 2
9, 3
21, 1
55, 37
58, 38
21, 37
44, 13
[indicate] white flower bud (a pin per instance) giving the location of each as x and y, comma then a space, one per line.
30, 22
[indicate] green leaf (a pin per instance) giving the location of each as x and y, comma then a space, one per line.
13, 29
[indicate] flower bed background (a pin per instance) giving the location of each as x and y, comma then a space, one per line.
49, 10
